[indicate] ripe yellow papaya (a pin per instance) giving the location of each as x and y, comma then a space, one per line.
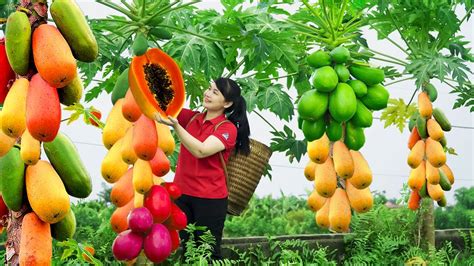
339, 211
417, 177
142, 176
432, 174
325, 179
30, 148
128, 153
343, 162
424, 105
46, 192
417, 154
361, 200
435, 191
434, 130
165, 139
322, 216
74, 27
113, 167
36, 244
435, 153
362, 176
14, 109
310, 170
316, 201
318, 150
115, 126
138, 200
6, 142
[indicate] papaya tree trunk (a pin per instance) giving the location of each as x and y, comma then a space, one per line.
427, 225
12, 246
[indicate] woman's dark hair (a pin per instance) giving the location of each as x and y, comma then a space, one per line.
236, 113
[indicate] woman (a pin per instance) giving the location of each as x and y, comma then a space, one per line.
221, 128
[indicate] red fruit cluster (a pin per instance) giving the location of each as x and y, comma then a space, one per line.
153, 227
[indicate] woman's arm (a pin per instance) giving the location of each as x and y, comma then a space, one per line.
198, 149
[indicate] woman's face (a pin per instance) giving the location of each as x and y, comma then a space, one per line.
214, 100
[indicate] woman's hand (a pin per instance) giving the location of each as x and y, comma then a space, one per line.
171, 121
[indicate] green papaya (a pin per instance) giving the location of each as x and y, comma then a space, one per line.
354, 138
313, 105
412, 120
431, 91
370, 76
140, 44
319, 59
65, 159
66, 228
442, 202
325, 79
334, 130
161, 33
441, 119
363, 116
444, 180
359, 87
376, 98
72, 93
73, 25
424, 190
443, 141
342, 103
313, 130
18, 42
121, 86
12, 170
340, 55
421, 127
342, 72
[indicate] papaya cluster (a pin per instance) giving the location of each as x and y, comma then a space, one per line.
45, 187
40, 73
430, 175
137, 159
341, 182
344, 94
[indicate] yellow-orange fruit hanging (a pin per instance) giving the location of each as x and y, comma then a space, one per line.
435, 153
417, 177
310, 170
416, 154
339, 211
322, 216
424, 105
53, 56
316, 201
362, 176
434, 129
318, 150
325, 179
361, 200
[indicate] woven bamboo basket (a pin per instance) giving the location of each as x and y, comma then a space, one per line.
244, 173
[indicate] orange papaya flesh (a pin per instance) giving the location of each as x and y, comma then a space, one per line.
157, 84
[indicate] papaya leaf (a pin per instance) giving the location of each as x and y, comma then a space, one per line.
277, 101
397, 113
285, 141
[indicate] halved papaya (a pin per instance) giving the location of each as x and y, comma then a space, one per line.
157, 84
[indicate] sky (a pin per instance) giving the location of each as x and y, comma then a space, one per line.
385, 148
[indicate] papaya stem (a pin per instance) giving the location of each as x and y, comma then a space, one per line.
232, 72
199, 35
302, 25
397, 81
160, 11
325, 12
389, 61
265, 120
341, 14
314, 36
388, 56
316, 15
119, 9
412, 96
280, 77
127, 5
142, 14
389, 39
400, 32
